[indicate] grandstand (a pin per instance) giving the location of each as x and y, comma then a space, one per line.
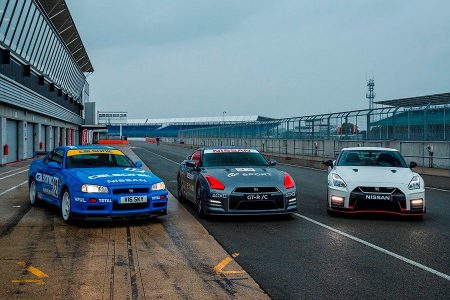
171, 126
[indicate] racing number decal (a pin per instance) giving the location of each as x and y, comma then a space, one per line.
52, 183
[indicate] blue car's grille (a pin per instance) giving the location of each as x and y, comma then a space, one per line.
117, 206
130, 191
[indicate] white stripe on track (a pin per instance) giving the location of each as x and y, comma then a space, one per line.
378, 248
168, 159
1, 178
10, 171
13, 188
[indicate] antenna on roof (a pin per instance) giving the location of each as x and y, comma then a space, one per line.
370, 92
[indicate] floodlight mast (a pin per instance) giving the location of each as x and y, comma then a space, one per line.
371, 94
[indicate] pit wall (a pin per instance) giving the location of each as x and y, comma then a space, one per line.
323, 149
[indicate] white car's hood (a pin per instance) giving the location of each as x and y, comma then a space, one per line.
375, 175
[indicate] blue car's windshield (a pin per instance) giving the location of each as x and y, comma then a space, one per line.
233, 157
373, 158
97, 159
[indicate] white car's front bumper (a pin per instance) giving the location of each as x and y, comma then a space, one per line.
354, 201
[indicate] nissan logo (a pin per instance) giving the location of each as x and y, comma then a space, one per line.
255, 189
131, 191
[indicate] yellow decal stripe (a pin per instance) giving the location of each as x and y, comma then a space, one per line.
93, 151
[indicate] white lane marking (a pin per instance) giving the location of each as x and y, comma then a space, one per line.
402, 258
1, 178
303, 167
436, 189
168, 159
315, 169
13, 188
10, 171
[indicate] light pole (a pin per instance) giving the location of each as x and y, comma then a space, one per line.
223, 116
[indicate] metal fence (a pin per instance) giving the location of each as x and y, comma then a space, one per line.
429, 123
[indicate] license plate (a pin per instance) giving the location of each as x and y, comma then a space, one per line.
133, 199
257, 197
382, 197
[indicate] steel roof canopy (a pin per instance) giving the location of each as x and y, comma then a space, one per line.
58, 13
435, 99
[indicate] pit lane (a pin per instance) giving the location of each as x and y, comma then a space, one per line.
172, 257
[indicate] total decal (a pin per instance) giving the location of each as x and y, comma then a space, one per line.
249, 174
53, 181
118, 175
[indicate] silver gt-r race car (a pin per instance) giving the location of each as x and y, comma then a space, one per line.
235, 181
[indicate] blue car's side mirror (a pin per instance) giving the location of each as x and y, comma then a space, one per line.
138, 164
54, 165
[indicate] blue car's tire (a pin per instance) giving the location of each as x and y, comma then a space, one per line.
66, 208
32, 194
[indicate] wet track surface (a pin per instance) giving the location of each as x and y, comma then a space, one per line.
298, 257
171, 257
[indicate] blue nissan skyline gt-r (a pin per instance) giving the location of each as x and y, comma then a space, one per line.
96, 182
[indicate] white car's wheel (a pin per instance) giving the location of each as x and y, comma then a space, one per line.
32, 193
66, 211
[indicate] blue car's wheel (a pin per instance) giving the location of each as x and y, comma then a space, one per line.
66, 211
34, 200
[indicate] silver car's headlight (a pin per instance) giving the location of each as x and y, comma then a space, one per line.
158, 186
338, 181
414, 184
91, 188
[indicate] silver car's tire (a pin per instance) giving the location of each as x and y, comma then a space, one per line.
180, 195
199, 204
32, 194
66, 210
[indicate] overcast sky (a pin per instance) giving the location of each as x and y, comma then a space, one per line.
279, 58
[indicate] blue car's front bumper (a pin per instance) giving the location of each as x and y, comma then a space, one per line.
107, 206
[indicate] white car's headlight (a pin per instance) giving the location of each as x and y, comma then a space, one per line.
414, 184
91, 188
158, 186
338, 181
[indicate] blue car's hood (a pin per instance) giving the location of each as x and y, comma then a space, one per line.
114, 176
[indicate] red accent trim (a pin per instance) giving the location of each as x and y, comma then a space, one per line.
113, 142
214, 183
288, 181
386, 212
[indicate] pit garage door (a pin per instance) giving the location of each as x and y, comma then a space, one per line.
30, 140
44, 138
11, 140
55, 135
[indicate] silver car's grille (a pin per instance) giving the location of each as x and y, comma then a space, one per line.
251, 190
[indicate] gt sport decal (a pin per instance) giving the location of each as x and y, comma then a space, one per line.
53, 181
94, 151
209, 151
248, 174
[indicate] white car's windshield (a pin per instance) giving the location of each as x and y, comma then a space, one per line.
372, 158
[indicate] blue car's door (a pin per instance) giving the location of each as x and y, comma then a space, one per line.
49, 179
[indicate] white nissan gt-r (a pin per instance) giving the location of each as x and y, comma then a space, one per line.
374, 180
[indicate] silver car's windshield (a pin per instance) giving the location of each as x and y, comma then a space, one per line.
372, 158
234, 159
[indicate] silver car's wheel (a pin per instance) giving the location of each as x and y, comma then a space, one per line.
32, 193
199, 203
66, 212
180, 194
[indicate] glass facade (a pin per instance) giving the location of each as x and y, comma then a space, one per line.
26, 30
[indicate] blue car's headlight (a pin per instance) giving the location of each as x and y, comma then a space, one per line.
90, 188
158, 186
